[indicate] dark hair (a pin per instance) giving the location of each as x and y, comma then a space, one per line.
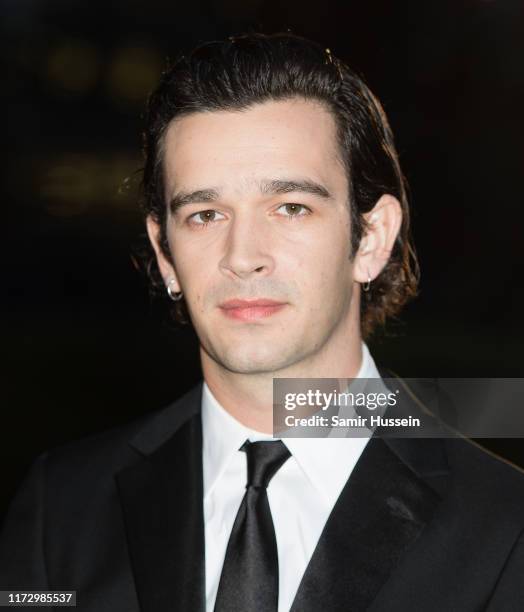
241, 71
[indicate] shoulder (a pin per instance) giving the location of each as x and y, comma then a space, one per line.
485, 483
474, 478
483, 468
97, 457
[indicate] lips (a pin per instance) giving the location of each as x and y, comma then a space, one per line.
249, 303
251, 310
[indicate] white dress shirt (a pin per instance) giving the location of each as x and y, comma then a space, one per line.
301, 494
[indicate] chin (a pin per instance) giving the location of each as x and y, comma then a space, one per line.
255, 360
244, 364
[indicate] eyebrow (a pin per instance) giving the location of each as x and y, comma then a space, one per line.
267, 187
275, 187
183, 198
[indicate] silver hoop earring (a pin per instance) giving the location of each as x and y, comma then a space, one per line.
174, 295
366, 286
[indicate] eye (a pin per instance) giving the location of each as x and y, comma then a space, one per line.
202, 218
295, 210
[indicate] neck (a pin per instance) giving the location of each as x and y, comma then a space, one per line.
249, 397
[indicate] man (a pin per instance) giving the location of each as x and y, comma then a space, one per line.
278, 216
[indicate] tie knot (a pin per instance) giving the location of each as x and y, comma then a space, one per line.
264, 458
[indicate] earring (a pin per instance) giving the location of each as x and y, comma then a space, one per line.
174, 295
366, 286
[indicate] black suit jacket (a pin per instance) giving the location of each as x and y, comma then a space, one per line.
422, 525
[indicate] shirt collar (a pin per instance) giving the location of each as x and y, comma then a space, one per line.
326, 462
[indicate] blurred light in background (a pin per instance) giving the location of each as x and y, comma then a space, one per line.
73, 65
132, 73
74, 184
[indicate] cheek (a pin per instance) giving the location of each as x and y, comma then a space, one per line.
323, 259
323, 281
198, 283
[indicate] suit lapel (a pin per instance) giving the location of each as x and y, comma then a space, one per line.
380, 513
161, 497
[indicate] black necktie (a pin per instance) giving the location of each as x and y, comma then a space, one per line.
249, 579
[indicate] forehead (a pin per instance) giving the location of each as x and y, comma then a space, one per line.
235, 148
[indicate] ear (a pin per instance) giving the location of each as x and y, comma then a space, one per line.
377, 243
165, 266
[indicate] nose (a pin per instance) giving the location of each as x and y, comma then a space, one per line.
247, 248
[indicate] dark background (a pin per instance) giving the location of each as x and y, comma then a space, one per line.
84, 346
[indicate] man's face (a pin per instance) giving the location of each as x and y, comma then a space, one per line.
258, 210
